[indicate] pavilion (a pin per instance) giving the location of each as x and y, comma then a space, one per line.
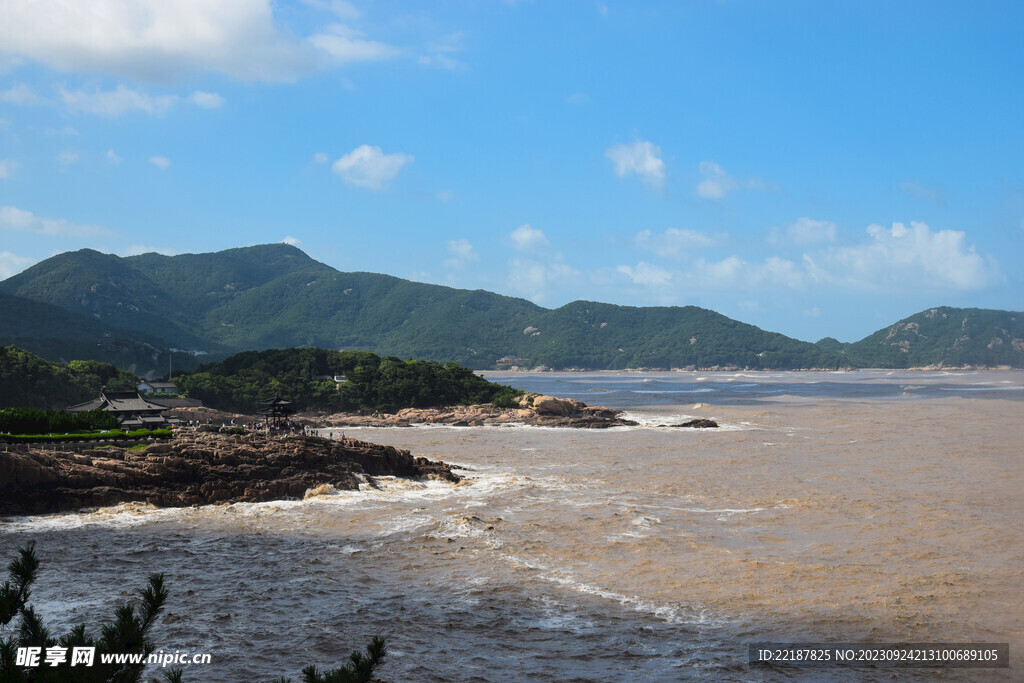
276, 409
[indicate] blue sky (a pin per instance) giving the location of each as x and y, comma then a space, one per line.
814, 168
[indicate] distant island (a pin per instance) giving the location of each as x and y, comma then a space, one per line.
153, 313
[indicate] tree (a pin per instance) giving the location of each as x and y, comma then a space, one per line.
126, 634
359, 668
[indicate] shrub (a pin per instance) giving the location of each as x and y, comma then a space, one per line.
111, 435
35, 421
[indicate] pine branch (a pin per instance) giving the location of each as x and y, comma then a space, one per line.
15, 592
31, 632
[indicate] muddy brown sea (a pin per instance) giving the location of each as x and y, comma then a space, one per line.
844, 513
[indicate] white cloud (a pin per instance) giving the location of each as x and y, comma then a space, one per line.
154, 40
66, 131
339, 8
343, 44
534, 279
207, 100
320, 158
291, 241
441, 61
577, 98
674, 242
647, 275
716, 182
160, 162
461, 253
913, 188
21, 94
525, 237
111, 103
67, 158
446, 196
7, 168
369, 167
642, 158
892, 261
18, 220
724, 272
10, 264
808, 231
901, 257
113, 158
734, 273
117, 102
439, 53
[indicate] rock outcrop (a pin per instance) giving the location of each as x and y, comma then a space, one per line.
543, 411
197, 468
698, 423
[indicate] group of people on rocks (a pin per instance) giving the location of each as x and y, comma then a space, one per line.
280, 427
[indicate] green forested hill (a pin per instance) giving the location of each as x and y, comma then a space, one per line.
946, 336
58, 334
589, 334
275, 296
108, 289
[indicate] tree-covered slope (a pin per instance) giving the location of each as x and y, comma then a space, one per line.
203, 282
23, 317
306, 377
945, 336
588, 334
28, 381
107, 288
275, 296
60, 335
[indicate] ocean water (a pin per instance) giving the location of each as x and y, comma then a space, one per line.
844, 507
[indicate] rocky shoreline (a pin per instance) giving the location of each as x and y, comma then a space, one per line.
534, 409
197, 467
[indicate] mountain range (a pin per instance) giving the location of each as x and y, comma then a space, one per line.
133, 310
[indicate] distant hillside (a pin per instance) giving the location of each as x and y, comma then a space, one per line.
275, 296
60, 335
944, 336
28, 381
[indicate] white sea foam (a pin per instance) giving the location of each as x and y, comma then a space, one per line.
123, 515
390, 490
672, 613
700, 390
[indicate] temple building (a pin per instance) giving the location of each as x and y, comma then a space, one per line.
131, 410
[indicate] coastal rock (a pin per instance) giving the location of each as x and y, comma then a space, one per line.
563, 407
542, 411
198, 468
699, 423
